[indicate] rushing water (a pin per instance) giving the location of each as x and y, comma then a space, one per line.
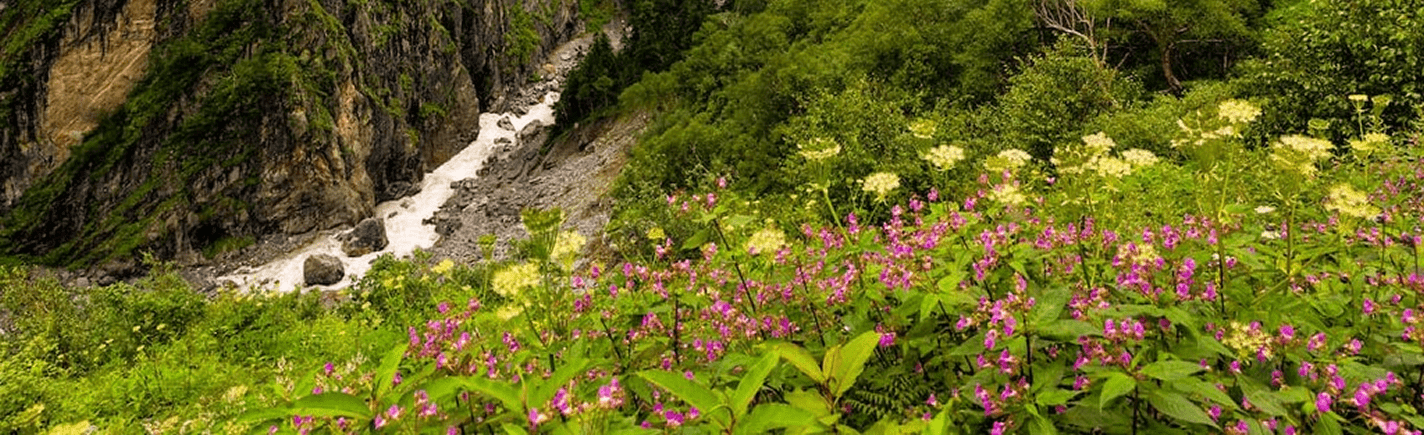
404, 217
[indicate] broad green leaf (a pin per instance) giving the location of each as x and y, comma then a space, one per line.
504, 392
561, 377
809, 401
1040, 425
697, 240
1206, 390
799, 357
1068, 330
852, 363
1117, 385
690, 392
386, 373
1177, 406
514, 429
332, 404
770, 416
1260, 397
1055, 397
751, 383
265, 414
1328, 424
1171, 370
1050, 305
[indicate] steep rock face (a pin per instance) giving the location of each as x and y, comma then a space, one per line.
182, 127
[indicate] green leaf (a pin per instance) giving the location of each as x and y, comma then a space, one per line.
1041, 425
504, 392
1329, 424
1206, 390
1055, 397
265, 414
751, 382
697, 240
1068, 330
690, 392
1050, 305
809, 401
1260, 397
514, 429
1177, 406
852, 362
561, 377
1117, 385
332, 404
1171, 370
775, 416
385, 374
799, 357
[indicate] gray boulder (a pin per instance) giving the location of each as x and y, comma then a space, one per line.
369, 236
322, 269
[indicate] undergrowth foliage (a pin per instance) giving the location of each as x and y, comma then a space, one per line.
1026, 303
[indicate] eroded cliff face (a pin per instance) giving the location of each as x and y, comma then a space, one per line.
184, 127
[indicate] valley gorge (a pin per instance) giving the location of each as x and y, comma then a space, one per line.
190, 129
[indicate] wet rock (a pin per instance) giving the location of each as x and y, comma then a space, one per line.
322, 269
533, 133
505, 123
82, 282
401, 189
369, 236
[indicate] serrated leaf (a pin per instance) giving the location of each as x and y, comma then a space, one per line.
1171, 370
853, 357
751, 382
1117, 385
802, 360
1179, 407
514, 429
770, 416
331, 404
696, 240
690, 392
1068, 330
1328, 424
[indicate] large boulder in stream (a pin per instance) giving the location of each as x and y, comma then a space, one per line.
369, 236
322, 269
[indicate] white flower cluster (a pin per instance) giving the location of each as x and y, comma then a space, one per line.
944, 157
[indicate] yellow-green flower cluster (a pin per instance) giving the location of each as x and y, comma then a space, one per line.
1093, 157
1369, 143
509, 281
880, 183
1138, 157
1008, 194
767, 239
1246, 340
444, 267
820, 149
944, 157
1348, 201
656, 234
923, 128
1007, 160
567, 247
1299, 153
1237, 111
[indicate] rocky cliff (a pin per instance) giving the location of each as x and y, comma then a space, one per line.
186, 127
